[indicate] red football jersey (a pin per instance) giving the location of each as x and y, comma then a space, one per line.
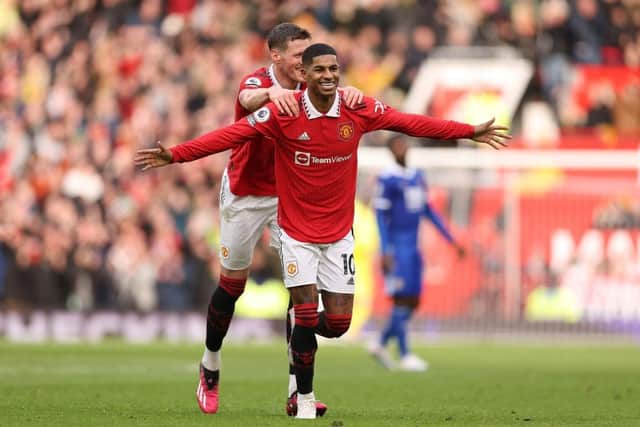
250, 167
316, 157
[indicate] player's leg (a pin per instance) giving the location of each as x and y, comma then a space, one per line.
241, 224
292, 387
404, 305
338, 309
337, 285
289, 329
394, 282
336, 280
275, 243
219, 314
397, 328
304, 346
300, 270
404, 296
391, 329
399, 284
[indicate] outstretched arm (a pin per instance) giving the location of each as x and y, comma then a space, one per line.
490, 134
428, 127
150, 158
381, 116
210, 143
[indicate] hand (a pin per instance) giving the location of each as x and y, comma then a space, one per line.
150, 158
488, 133
387, 264
284, 100
352, 96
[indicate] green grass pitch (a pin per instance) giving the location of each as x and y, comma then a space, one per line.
115, 384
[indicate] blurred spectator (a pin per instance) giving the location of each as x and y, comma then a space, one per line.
133, 269
626, 109
423, 40
589, 29
550, 302
85, 83
554, 47
601, 102
620, 213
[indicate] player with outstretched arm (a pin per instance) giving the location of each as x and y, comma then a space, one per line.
248, 201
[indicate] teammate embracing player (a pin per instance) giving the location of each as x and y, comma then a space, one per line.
248, 201
316, 170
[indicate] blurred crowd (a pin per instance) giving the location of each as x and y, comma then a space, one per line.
620, 213
84, 83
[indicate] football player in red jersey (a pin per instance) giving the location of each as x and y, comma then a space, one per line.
316, 168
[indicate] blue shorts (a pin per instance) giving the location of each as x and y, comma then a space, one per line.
406, 279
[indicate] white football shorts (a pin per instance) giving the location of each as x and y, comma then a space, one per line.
242, 221
329, 265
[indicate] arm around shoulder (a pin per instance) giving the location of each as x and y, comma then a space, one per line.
252, 99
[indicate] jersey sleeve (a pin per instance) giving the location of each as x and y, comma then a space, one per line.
382, 205
259, 123
377, 116
252, 81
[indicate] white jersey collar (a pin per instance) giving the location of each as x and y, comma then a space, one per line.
312, 111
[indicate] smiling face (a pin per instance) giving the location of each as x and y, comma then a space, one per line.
323, 75
289, 61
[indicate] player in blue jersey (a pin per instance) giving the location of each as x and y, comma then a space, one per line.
400, 205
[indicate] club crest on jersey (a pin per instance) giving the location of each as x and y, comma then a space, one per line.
345, 131
224, 251
292, 268
262, 115
253, 81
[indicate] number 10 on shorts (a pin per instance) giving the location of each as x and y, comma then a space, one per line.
349, 264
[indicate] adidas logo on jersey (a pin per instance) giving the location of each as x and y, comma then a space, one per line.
304, 136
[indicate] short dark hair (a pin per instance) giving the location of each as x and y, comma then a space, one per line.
314, 50
283, 33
